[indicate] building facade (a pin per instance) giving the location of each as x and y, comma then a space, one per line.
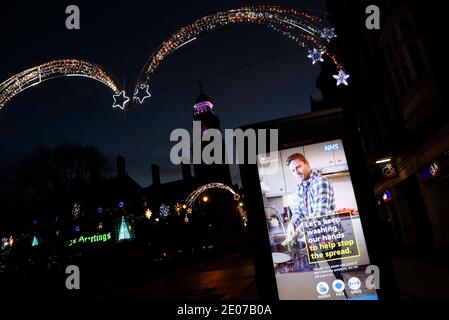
399, 98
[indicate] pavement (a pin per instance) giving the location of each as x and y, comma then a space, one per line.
424, 277
227, 277
232, 277
419, 275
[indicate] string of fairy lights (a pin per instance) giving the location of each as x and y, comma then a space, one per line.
190, 201
51, 70
302, 27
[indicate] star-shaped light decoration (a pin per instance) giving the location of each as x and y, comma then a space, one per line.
164, 211
341, 78
328, 34
76, 210
142, 92
5, 242
120, 100
316, 55
148, 214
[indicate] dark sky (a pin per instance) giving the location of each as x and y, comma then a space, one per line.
121, 36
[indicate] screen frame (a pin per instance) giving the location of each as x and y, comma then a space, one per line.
306, 129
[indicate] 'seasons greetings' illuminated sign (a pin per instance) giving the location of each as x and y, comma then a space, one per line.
91, 239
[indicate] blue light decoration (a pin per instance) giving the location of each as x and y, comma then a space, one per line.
164, 211
5, 243
328, 34
35, 242
121, 204
77, 228
386, 196
124, 231
430, 172
316, 55
100, 210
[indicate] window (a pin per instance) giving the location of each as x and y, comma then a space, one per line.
392, 45
406, 28
399, 81
385, 112
389, 52
417, 59
382, 120
394, 39
365, 135
405, 71
391, 94
402, 75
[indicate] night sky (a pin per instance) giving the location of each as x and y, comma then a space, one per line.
121, 36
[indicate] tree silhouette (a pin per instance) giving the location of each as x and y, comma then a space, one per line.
40, 182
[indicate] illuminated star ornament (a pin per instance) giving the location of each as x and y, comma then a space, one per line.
5, 243
142, 93
316, 55
148, 214
341, 78
120, 100
164, 210
76, 210
307, 30
328, 34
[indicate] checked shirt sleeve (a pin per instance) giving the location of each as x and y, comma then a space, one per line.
297, 207
323, 197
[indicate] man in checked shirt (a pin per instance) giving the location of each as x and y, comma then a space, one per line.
314, 197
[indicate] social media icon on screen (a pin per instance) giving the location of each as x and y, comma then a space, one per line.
338, 286
322, 288
354, 283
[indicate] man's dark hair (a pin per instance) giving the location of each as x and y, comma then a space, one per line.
296, 156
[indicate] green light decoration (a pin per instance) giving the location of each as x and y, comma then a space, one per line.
35, 242
124, 231
91, 239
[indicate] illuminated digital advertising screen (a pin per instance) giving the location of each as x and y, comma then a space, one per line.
316, 236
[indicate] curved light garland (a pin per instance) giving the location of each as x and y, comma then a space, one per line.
52, 70
304, 28
190, 201
215, 185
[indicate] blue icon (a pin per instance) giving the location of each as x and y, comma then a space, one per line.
322, 288
338, 285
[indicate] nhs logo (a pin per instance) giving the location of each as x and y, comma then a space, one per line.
332, 147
